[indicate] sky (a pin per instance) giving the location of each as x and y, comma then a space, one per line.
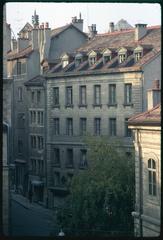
101, 14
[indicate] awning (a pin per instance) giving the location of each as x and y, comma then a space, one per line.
37, 183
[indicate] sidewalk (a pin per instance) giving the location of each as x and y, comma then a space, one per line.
31, 206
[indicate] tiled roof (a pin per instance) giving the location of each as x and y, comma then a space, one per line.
36, 81
22, 53
114, 41
150, 117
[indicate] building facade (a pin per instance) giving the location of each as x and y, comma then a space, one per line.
95, 91
147, 131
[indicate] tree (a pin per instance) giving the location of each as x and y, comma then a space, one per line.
101, 197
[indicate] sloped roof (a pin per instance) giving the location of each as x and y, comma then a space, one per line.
150, 43
36, 81
27, 27
21, 54
150, 117
55, 32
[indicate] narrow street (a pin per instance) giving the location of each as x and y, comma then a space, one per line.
31, 221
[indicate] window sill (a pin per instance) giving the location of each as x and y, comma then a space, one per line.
69, 166
69, 106
112, 104
82, 105
56, 106
97, 105
128, 104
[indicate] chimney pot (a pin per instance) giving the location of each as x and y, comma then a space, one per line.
46, 25
111, 26
156, 84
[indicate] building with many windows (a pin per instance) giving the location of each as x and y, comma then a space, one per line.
95, 91
146, 128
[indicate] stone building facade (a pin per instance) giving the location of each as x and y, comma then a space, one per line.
27, 60
147, 131
96, 90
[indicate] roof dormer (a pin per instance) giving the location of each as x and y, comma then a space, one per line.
65, 60
107, 55
92, 57
138, 53
122, 54
78, 59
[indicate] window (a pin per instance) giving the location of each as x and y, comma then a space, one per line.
69, 126
65, 63
97, 94
32, 117
32, 96
83, 158
56, 96
20, 94
40, 118
33, 165
128, 132
112, 127
21, 120
92, 60
38, 96
106, 58
69, 97
18, 68
138, 55
70, 160
20, 146
56, 178
33, 141
40, 142
56, 126
83, 126
40, 167
128, 93
112, 94
122, 58
152, 177
82, 94
97, 126
56, 156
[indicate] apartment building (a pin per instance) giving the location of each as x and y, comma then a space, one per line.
27, 59
146, 128
95, 91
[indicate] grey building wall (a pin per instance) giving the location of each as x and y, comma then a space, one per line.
66, 41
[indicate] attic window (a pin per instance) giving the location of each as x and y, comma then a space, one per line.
65, 60
138, 52
64, 63
92, 58
122, 58
78, 59
122, 53
106, 56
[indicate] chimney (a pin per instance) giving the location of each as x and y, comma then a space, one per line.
111, 27
22, 43
154, 95
34, 37
140, 31
92, 31
13, 44
78, 22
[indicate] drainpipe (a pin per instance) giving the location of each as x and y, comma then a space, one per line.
140, 185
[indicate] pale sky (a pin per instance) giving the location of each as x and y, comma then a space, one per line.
59, 14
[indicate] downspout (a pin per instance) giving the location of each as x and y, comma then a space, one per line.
140, 185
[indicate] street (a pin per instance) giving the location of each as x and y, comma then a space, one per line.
29, 222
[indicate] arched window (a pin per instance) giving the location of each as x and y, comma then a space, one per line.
152, 177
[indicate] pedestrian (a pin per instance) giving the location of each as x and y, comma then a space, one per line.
30, 194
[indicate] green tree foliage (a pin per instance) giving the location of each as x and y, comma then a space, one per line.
101, 197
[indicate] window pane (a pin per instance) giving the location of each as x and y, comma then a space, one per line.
56, 96
83, 95
128, 93
112, 93
69, 126
69, 98
112, 126
97, 94
83, 122
97, 126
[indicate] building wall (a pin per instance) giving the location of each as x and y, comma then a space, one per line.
67, 41
147, 145
152, 71
120, 112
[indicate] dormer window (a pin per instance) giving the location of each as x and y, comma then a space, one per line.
122, 53
92, 57
106, 55
78, 59
65, 60
138, 52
